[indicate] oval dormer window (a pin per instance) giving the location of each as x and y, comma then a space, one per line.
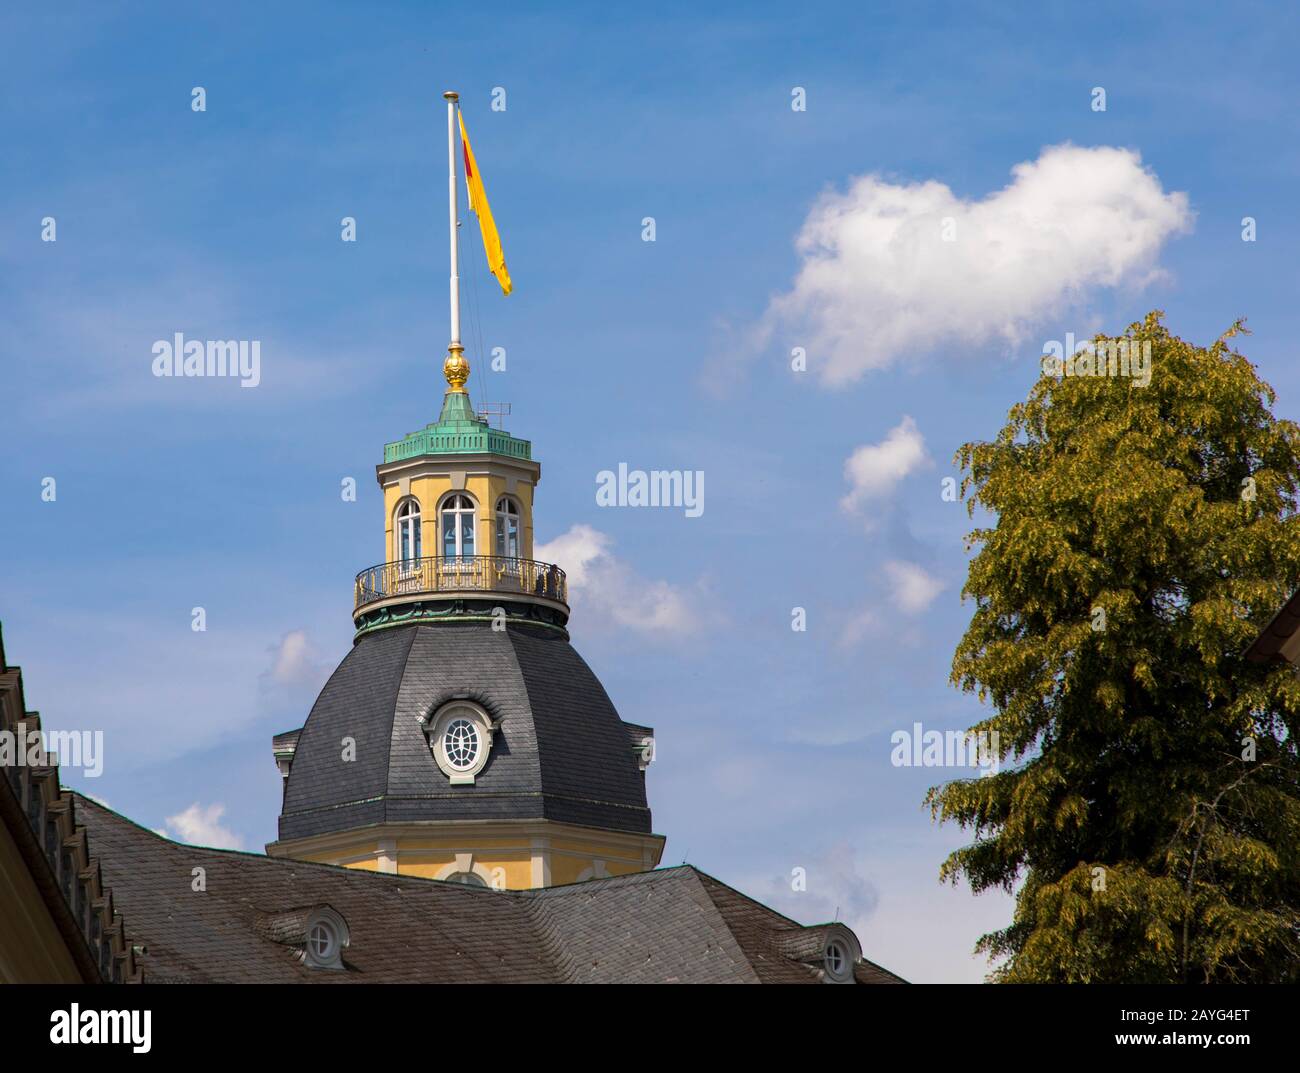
460, 739
460, 744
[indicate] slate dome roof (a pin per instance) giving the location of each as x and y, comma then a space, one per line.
561, 752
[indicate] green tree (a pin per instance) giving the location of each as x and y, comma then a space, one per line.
1137, 540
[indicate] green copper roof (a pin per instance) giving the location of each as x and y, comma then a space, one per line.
458, 431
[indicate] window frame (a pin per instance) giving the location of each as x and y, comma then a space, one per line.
458, 513
451, 748
436, 726
468, 878
840, 954
503, 518
408, 514
335, 929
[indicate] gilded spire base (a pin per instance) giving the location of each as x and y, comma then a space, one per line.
456, 368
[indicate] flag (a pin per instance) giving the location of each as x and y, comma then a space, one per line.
478, 203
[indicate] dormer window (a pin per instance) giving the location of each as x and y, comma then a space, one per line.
457, 526
322, 942
327, 936
460, 738
830, 951
317, 934
408, 530
840, 953
837, 960
460, 744
507, 528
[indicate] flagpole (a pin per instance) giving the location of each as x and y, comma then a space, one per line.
455, 368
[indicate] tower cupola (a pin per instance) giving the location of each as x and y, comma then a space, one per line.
458, 537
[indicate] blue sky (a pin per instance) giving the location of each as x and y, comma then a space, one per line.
773, 744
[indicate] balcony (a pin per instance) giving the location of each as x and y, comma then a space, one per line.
460, 576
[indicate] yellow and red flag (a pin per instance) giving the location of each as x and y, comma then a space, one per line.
478, 203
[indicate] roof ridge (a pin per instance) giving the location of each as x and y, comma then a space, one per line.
756, 902
528, 698
531, 893
290, 862
601, 883
554, 953
738, 954
392, 718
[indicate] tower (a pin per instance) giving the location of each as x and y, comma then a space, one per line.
463, 737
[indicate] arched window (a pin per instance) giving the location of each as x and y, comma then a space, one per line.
322, 942
325, 940
507, 528
466, 879
457, 526
836, 959
408, 531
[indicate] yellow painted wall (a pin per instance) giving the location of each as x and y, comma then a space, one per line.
571, 857
458, 843
368, 865
428, 856
516, 868
484, 489
32, 949
567, 869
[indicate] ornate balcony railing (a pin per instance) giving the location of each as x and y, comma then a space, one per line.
460, 574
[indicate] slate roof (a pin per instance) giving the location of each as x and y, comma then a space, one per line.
561, 752
669, 925
401, 929
124, 899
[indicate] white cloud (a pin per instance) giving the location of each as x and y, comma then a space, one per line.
878, 280
201, 826
295, 662
873, 469
858, 627
912, 589
835, 886
889, 895
574, 551
610, 590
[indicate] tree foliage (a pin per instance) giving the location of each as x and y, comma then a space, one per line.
1140, 538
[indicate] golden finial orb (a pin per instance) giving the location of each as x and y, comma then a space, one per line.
456, 369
